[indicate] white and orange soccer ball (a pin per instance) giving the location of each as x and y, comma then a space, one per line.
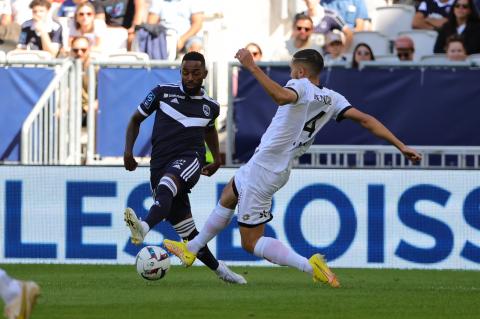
152, 263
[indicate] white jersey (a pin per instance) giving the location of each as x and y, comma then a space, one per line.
294, 126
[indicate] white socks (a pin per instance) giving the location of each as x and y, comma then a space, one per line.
276, 252
9, 287
145, 228
216, 222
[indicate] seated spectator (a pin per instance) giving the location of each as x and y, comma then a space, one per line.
80, 49
463, 20
255, 50
431, 14
85, 24
121, 14
301, 38
9, 31
334, 47
405, 48
326, 20
41, 32
183, 20
195, 44
68, 8
353, 12
455, 49
362, 52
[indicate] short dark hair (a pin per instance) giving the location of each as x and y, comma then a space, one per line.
312, 58
194, 56
40, 3
454, 38
301, 16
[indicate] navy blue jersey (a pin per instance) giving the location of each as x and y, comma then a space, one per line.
331, 21
180, 122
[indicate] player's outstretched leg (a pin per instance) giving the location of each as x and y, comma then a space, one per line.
179, 249
321, 272
135, 225
22, 305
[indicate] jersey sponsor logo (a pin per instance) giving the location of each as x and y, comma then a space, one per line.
206, 110
166, 96
325, 99
148, 100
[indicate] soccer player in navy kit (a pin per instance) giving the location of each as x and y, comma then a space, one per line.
184, 121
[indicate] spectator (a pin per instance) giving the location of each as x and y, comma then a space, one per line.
405, 48
354, 12
9, 30
463, 20
326, 20
41, 32
68, 8
335, 43
455, 49
255, 50
183, 20
299, 40
121, 14
362, 52
85, 24
431, 14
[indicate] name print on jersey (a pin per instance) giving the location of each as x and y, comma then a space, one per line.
325, 99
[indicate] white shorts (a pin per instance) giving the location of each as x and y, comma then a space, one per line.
255, 186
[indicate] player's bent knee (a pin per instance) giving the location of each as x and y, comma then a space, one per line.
229, 198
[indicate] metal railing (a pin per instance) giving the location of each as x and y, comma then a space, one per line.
51, 132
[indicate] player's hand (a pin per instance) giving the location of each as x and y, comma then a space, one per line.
411, 154
245, 58
210, 169
129, 162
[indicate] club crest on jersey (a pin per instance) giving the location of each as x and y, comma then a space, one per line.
148, 100
206, 110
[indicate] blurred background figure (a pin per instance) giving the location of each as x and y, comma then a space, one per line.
68, 7
405, 48
121, 14
84, 24
455, 49
463, 20
335, 42
431, 14
326, 20
183, 20
353, 12
41, 32
301, 38
362, 52
255, 50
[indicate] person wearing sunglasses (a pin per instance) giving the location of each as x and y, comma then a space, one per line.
85, 24
300, 39
463, 21
405, 48
41, 32
362, 52
431, 14
255, 50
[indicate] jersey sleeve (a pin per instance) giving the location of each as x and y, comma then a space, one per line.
300, 88
151, 102
216, 113
422, 8
340, 106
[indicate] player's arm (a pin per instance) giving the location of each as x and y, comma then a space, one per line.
378, 129
211, 138
132, 133
278, 93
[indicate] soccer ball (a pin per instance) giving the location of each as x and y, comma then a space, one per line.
152, 263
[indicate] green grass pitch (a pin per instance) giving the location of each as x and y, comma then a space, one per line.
117, 292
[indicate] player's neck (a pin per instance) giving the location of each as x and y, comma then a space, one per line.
314, 80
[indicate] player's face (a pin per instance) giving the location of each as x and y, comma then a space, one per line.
193, 74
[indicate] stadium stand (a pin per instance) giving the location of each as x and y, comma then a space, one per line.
390, 20
379, 43
475, 58
3, 57
35, 55
128, 56
434, 58
116, 40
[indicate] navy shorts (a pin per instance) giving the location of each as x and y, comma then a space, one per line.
186, 169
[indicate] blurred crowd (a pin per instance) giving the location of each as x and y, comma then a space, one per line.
166, 29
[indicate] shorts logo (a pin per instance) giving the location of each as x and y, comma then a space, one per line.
245, 217
148, 100
206, 110
265, 214
178, 163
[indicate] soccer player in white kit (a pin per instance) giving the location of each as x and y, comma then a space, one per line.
19, 296
304, 108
